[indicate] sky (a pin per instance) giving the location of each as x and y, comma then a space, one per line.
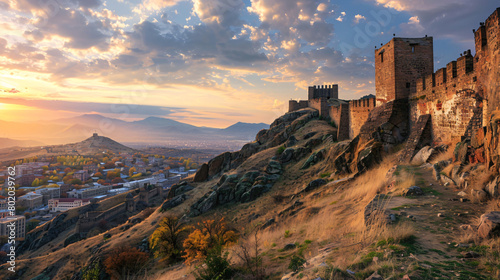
206, 62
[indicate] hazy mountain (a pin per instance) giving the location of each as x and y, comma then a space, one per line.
247, 130
156, 130
7, 142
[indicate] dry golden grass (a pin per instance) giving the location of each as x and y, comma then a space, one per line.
448, 154
470, 235
404, 181
379, 229
369, 183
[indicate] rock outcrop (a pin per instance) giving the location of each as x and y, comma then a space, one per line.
358, 156
489, 225
48, 232
236, 188
279, 133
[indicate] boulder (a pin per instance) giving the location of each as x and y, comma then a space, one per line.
489, 225
249, 149
204, 204
445, 180
423, 155
313, 159
255, 192
289, 246
311, 143
226, 193
370, 156
202, 174
179, 189
273, 167
287, 155
292, 141
413, 191
219, 164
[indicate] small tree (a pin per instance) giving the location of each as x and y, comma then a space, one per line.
208, 236
248, 253
166, 241
35, 183
131, 171
125, 261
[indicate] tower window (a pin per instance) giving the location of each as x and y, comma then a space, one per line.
382, 57
407, 85
413, 49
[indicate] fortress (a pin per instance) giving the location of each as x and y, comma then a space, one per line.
412, 101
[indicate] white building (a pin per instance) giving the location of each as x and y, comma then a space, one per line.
64, 204
140, 183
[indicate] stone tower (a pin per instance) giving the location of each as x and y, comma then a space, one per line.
398, 65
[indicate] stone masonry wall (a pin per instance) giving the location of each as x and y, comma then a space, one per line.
359, 110
294, 105
450, 97
321, 105
487, 39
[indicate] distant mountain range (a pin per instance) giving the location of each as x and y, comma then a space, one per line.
151, 130
7, 142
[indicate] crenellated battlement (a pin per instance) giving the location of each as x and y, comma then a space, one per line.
323, 91
363, 103
456, 72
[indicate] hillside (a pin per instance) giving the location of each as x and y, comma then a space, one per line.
96, 144
336, 210
89, 146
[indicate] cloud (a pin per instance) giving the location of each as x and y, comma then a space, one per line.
73, 25
154, 5
222, 12
358, 18
85, 107
341, 17
444, 19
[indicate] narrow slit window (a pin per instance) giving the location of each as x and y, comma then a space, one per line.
412, 49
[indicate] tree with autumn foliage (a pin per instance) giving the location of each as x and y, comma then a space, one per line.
124, 262
166, 241
209, 236
131, 171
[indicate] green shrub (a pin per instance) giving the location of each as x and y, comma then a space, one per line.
296, 263
280, 150
217, 267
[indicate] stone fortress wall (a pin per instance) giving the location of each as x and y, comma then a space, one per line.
450, 103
